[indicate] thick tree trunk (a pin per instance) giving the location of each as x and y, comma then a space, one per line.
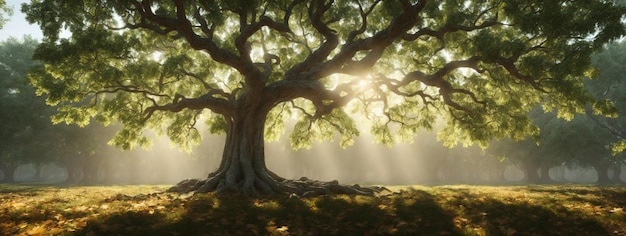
243, 169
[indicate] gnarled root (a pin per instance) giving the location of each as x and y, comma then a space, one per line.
302, 187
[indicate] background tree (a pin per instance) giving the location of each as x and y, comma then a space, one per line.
575, 143
26, 132
246, 66
79, 150
22, 114
582, 143
523, 154
611, 85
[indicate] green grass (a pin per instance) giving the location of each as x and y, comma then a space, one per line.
414, 210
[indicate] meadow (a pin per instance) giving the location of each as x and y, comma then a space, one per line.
403, 210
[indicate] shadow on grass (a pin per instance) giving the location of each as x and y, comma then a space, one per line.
409, 213
522, 217
607, 195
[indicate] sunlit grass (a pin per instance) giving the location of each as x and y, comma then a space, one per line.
408, 210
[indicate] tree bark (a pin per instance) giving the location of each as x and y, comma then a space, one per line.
243, 168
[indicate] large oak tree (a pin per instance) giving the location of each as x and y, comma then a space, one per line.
244, 67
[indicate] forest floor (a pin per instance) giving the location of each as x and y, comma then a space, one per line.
405, 210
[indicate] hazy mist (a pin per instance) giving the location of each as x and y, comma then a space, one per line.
425, 161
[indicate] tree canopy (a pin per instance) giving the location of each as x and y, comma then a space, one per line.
245, 67
4, 11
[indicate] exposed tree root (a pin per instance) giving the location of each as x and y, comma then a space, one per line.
302, 187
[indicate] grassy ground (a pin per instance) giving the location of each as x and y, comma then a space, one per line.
442, 210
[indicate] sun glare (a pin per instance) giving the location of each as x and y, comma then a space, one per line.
363, 83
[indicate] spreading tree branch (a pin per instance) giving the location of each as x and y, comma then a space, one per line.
207, 101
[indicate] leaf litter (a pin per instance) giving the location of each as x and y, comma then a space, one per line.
416, 210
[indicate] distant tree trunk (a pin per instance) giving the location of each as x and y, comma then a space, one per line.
560, 174
497, 173
617, 171
74, 175
602, 172
90, 171
40, 167
74, 170
9, 173
545, 174
530, 171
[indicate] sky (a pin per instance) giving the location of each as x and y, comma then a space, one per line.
17, 26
